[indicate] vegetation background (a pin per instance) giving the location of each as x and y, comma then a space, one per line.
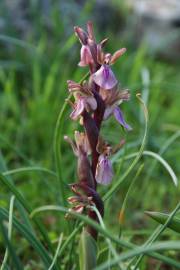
38, 54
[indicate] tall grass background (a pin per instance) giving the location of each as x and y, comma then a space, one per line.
34, 68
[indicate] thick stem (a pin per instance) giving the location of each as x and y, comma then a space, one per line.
93, 232
92, 134
98, 117
92, 126
90, 192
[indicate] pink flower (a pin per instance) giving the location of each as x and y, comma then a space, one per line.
86, 57
104, 171
104, 77
79, 107
83, 102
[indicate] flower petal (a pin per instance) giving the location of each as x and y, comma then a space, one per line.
119, 117
108, 111
91, 101
104, 77
104, 172
82, 142
86, 57
117, 54
73, 86
79, 108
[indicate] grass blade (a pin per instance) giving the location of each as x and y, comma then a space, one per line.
162, 218
27, 207
30, 238
87, 251
56, 253
160, 159
16, 262
103, 231
167, 245
29, 169
69, 238
9, 231
157, 233
122, 211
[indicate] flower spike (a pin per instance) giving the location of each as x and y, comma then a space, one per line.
95, 100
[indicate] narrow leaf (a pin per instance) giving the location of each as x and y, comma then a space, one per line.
166, 245
27, 207
103, 231
161, 218
11, 250
87, 251
31, 238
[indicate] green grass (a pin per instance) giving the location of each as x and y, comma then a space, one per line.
33, 75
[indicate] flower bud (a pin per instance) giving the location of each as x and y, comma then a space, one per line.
84, 169
82, 35
116, 55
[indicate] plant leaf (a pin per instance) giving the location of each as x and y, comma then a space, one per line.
161, 218
166, 245
27, 207
87, 251
31, 238
16, 262
103, 231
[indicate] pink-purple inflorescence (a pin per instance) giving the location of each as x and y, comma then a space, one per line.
95, 101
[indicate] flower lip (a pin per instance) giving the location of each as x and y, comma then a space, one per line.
106, 73
83, 102
104, 171
78, 108
104, 77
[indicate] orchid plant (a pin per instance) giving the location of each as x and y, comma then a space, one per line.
95, 100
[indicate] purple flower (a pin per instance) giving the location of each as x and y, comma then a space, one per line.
104, 171
119, 117
86, 57
104, 77
83, 102
112, 99
79, 107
